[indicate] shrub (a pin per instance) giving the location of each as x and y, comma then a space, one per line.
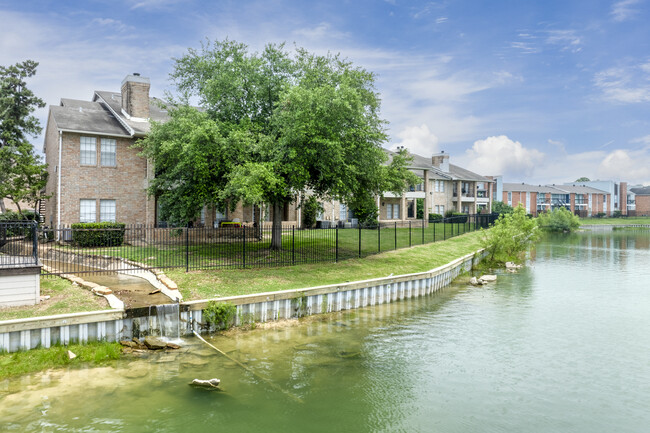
559, 220
510, 236
617, 214
365, 210
435, 217
310, 209
501, 207
600, 214
27, 215
459, 217
220, 314
98, 234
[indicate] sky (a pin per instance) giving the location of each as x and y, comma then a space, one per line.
536, 91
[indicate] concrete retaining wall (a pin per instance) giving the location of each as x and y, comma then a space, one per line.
114, 325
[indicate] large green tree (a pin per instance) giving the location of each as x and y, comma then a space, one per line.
270, 125
22, 174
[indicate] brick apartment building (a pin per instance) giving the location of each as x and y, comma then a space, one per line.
96, 175
583, 200
641, 200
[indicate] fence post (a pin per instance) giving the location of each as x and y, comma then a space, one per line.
336, 258
409, 234
359, 240
293, 245
434, 231
243, 252
422, 230
378, 237
35, 242
395, 234
187, 248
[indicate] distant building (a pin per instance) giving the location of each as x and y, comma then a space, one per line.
641, 197
616, 190
581, 200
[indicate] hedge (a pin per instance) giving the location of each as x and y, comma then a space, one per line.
98, 234
434, 217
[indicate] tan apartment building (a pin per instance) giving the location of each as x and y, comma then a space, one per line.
443, 187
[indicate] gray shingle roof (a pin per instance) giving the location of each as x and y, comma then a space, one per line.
86, 116
455, 172
114, 101
580, 189
459, 173
641, 190
524, 187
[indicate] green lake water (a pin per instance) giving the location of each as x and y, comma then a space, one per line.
561, 346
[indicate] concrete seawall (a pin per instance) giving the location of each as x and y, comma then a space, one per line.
115, 325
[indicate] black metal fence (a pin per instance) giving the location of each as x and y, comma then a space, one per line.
79, 251
18, 244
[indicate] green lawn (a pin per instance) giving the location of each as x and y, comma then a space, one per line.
615, 221
64, 298
298, 247
204, 284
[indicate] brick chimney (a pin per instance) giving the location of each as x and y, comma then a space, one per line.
441, 161
135, 96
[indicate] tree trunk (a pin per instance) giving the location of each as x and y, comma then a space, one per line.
3, 209
276, 228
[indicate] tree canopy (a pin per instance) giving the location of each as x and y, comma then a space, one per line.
22, 174
270, 125
583, 179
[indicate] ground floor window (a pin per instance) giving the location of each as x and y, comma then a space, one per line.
87, 211
411, 209
107, 211
392, 211
440, 209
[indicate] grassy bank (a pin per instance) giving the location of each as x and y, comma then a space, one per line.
94, 353
615, 221
206, 284
64, 298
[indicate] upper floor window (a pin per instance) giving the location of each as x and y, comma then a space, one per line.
107, 211
88, 151
439, 186
108, 152
87, 211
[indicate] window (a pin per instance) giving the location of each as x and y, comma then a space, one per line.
87, 210
392, 211
88, 151
439, 186
107, 211
108, 152
411, 209
343, 212
509, 198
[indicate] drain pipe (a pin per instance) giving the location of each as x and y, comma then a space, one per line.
58, 189
263, 379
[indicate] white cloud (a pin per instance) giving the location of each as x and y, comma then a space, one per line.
568, 40
626, 165
322, 30
501, 155
418, 139
623, 10
624, 84
152, 4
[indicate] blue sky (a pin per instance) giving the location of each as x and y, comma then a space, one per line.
538, 91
